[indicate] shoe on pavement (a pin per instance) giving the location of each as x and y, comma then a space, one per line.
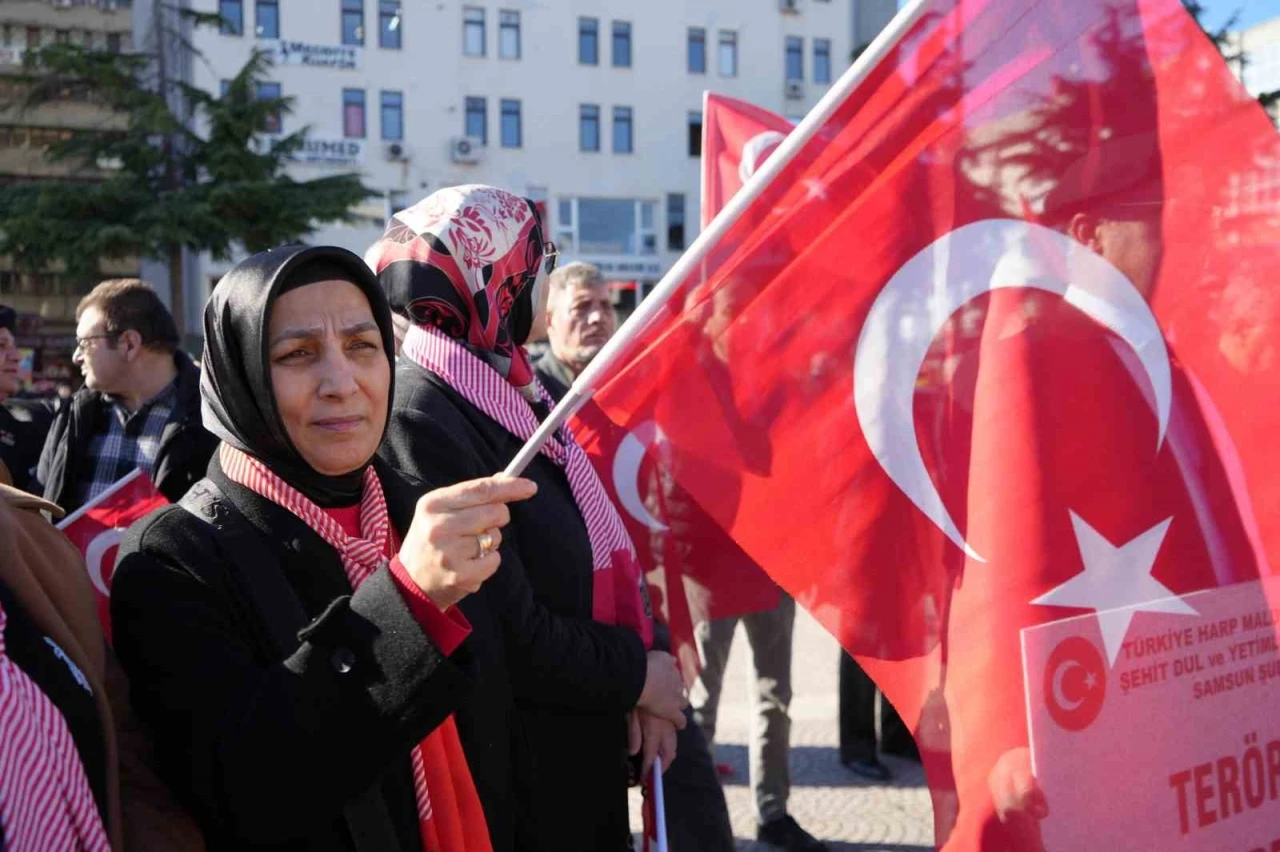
872, 769
786, 834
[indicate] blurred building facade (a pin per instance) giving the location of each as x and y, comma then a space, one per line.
592, 107
46, 301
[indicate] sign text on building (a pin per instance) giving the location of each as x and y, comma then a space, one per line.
343, 56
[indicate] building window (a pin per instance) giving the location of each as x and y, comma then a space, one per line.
510, 124
508, 34
795, 58
697, 50
62, 36
588, 41
270, 92
606, 226
589, 127
621, 130
477, 125
392, 116
621, 44
353, 113
728, 53
232, 14
822, 60
266, 18
675, 221
695, 134
113, 42
389, 24
472, 31
353, 21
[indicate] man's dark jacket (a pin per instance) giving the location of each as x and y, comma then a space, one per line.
573, 679
283, 706
181, 460
554, 374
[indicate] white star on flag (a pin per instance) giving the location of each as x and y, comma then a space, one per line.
1116, 582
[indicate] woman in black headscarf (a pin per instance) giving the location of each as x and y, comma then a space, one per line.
296, 664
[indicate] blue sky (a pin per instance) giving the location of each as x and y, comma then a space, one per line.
1251, 11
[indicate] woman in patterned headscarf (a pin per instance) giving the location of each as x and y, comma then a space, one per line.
469, 265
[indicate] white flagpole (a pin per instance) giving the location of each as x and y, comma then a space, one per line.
659, 808
583, 386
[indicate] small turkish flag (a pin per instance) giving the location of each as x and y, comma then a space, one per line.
97, 528
994, 347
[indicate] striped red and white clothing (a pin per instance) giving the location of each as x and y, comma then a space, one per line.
618, 595
45, 800
361, 556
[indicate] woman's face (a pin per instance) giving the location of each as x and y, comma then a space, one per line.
329, 374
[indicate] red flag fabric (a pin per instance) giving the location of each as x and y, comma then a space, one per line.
695, 571
98, 527
992, 350
737, 137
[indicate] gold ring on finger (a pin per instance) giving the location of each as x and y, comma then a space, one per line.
485, 540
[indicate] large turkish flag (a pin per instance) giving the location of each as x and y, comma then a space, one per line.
995, 348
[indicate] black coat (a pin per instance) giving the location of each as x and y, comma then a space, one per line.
181, 459
24, 423
283, 706
573, 678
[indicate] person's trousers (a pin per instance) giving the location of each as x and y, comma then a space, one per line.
858, 718
697, 816
769, 745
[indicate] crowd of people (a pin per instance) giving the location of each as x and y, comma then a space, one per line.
346, 632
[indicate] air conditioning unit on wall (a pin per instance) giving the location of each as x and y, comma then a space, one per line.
465, 149
795, 90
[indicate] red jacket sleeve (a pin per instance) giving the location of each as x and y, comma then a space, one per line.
446, 628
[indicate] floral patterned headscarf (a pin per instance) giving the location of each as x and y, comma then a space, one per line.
471, 261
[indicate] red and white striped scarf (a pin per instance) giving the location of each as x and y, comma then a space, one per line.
361, 557
45, 800
618, 595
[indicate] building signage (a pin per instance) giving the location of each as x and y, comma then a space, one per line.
342, 56
623, 267
11, 54
331, 152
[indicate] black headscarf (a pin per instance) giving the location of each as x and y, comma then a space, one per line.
238, 403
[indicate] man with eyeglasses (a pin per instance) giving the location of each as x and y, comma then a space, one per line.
140, 405
23, 423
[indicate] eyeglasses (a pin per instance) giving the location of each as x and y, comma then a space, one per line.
550, 256
81, 341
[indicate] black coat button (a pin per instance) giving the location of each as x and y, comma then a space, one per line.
343, 660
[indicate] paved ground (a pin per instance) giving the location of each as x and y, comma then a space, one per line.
827, 799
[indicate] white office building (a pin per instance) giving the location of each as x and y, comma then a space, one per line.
591, 106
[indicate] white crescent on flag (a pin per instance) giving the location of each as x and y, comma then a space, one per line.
626, 471
939, 280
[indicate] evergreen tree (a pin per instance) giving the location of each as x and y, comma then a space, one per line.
177, 167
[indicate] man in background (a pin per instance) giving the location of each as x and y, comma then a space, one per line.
579, 322
139, 407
